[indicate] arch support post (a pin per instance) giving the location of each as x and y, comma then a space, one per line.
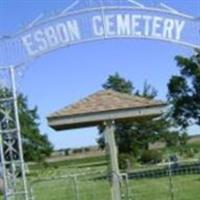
12, 161
113, 158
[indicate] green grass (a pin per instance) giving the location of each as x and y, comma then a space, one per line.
184, 188
188, 151
80, 162
67, 189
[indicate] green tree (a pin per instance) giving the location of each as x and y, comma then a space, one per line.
36, 146
147, 92
184, 91
131, 137
119, 84
171, 138
183, 138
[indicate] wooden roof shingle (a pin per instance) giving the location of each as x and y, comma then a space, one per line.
102, 102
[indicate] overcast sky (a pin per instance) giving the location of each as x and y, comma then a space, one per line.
69, 74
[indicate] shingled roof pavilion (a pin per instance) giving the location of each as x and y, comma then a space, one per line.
104, 108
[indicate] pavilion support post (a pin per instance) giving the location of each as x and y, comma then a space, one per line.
113, 155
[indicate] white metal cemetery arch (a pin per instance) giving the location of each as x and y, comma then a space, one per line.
80, 22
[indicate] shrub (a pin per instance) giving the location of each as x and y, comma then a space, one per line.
151, 157
189, 152
125, 161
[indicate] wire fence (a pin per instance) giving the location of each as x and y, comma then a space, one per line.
172, 182
74, 187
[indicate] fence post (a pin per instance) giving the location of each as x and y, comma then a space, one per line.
76, 188
93, 190
170, 181
126, 185
31, 193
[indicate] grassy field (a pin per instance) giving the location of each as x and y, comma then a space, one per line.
89, 186
71, 189
184, 188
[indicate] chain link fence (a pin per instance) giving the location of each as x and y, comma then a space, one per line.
74, 187
171, 182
